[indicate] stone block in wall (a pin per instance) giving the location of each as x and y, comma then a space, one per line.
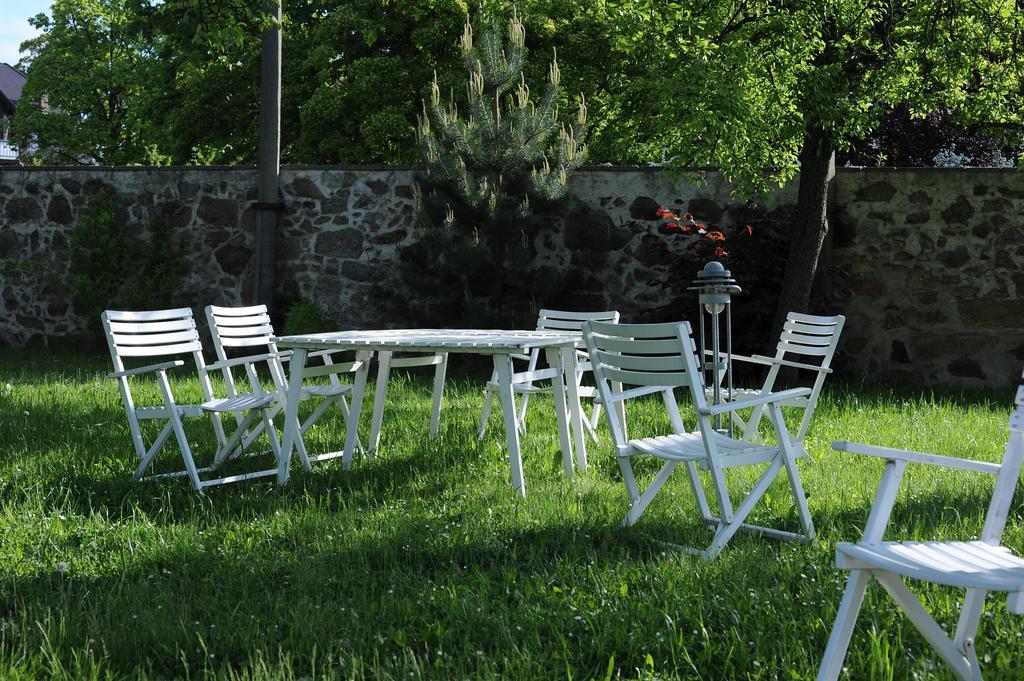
22, 209
218, 212
343, 243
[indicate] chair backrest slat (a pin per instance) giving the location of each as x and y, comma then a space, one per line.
153, 327
260, 330
159, 350
221, 311
654, 347
126, 340
565, 315
806, 350
807, 339
148, 315
633, 362
668, 379
225, 322
813, 319
810, 329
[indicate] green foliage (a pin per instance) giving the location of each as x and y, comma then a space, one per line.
496, 169
100, 259
305, 316
365, 64
744, 87
90, 69
112, 268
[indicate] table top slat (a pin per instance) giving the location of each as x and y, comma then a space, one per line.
439, 340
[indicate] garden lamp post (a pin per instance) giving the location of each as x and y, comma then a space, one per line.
715, 287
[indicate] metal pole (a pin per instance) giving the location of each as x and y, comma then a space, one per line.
728, 354
269, 156
716, 350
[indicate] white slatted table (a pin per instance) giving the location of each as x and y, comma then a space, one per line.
559, 346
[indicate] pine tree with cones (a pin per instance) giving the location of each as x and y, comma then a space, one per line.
496, 174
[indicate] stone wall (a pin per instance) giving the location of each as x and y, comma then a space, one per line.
934, 265
927, 264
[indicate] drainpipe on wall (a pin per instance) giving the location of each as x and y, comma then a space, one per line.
269, 202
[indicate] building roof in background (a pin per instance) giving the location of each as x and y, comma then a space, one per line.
11, 82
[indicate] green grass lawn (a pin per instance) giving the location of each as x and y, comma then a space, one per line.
423, 563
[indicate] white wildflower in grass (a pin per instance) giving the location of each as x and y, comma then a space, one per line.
63, 567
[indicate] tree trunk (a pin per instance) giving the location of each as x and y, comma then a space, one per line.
817, 168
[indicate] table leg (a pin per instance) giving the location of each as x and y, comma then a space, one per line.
503, 372
355, 408
575, 410
291, 413
554, 357
435, 407
381, 391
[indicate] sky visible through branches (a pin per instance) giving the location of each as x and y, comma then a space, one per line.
14, 26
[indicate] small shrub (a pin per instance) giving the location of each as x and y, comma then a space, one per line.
112, 268
100, 258
306, 317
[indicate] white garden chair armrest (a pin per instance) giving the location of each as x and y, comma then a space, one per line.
769, 398
916, 457
236, 361
756, 359
146, 369
761, 359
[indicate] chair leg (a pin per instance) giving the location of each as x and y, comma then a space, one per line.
792, 471
521, 413
485, 414
632, 489
967, 625
698, 491
179, 431
928, 627
343, 406
226, 450
594, 422
842, 629
728, 528
591, 429
641, 503
268, 425
148, 455
435, 409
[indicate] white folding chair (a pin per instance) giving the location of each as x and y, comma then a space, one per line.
386, 361
976, 566
656, 358
170, 333
813, 339
248, 327
525, 383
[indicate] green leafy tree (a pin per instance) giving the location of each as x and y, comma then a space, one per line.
88, 72
763, 90
494, 166
368, 62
